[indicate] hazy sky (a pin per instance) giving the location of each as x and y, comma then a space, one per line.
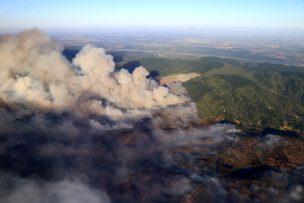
99, 14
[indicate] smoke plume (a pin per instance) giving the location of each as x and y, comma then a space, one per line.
68, 129
82, 131
35, 74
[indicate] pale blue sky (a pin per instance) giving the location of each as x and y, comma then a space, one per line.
89, 14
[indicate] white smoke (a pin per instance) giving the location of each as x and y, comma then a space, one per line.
83, 120
124, 137
34, 73
66, 191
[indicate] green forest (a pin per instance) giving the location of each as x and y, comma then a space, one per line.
250, 95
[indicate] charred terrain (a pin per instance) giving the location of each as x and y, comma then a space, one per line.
76, 127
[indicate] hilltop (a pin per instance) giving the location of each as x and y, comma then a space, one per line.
251, 95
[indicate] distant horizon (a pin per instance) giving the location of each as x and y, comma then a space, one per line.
134, 15
176, 30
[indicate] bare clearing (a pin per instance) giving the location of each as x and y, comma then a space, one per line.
179, 78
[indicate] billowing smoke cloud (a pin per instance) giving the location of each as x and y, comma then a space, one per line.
35, 73
110, 130
82, 131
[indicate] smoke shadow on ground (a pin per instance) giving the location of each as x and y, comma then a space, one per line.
70, 54
118, 56
132, 65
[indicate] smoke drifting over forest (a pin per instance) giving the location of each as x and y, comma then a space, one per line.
35, 73
83, 132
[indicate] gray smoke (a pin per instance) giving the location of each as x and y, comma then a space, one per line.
66, 191
83, 132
